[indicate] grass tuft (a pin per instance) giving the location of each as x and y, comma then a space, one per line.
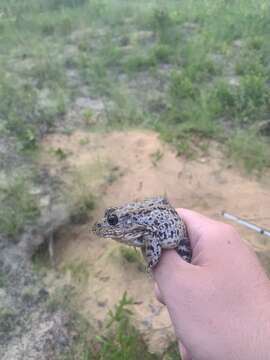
19, 207
249, 149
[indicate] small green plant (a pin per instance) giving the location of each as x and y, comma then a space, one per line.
19, 206
7, 323
88, 116
139, 62
84, 141
79, 271
183, 148
123, 341
3, 280
113, 175
28, 139
156, 157
249, 65
123, 111
162, 53
162, 24
58, 4
253, 96
222, 99
255, 42
133, 256
60, 154
181, 88
47, 72
124, 40
61, 298
82, 208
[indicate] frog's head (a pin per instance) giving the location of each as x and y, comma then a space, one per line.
120, 224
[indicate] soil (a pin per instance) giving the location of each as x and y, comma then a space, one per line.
147, 167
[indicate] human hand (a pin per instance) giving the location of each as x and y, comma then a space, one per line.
220, 304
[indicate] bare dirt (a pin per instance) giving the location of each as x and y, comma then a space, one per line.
146, 167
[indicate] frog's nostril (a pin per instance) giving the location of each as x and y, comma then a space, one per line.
96, 227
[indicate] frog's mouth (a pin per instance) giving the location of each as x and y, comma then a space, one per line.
130, 236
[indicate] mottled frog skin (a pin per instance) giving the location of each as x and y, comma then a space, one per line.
152, 225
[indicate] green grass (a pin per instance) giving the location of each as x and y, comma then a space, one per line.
79, 271
251, 150
120, 340
133, 256
19, 206
7, 320
203, 43
123, 341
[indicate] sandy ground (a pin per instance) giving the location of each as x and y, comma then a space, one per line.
208, 184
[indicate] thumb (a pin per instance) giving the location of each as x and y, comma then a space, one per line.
170, 267
170, 261
196, 224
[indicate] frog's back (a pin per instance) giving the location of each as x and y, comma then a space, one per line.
162, 220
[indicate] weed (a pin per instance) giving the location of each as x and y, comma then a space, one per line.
133, 256
139, 62
79, 271
112, 177
250, 149
60, 154
84, 141
47, 72
156, 157
57, 4
249, 65
19, 206
3, 280
18, 110
7, 320
62, 298
88, 116
253, 96
183, 149
95, 75
162, 53
123, 341
255, 42
181, 88
81, 190
222, 99
124, 40
81, 209
123, 111
162, 24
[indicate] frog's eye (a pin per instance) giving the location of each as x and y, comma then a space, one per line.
112, 219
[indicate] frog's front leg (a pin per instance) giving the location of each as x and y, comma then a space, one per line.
151, 250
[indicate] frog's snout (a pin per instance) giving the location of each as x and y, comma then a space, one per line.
96, 228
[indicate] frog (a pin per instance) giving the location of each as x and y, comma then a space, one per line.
152, 225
